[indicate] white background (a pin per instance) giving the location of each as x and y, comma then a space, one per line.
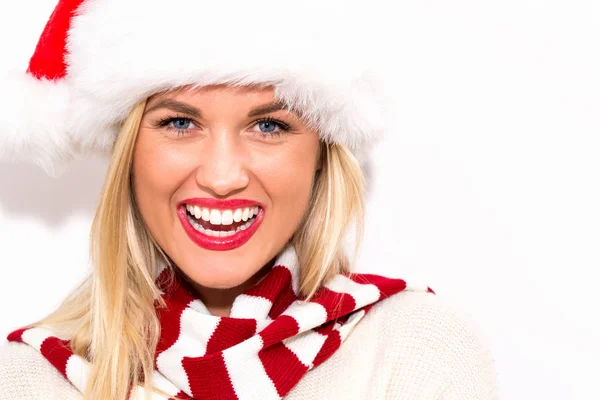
487, 187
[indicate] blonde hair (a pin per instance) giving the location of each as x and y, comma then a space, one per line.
111, 316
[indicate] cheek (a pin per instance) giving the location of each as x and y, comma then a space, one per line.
288, 181
157, 173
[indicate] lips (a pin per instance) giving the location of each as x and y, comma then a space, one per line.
220, 224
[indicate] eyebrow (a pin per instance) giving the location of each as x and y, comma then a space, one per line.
176, 106
269, 108
185, 108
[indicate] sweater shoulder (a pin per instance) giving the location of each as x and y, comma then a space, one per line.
20, 359
26, 375
442, 337
429, 320
424, 312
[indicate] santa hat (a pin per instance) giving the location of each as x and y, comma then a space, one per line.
96, 59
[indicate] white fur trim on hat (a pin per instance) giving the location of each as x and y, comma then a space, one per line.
33, 126
120, 52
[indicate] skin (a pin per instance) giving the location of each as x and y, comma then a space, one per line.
222, 154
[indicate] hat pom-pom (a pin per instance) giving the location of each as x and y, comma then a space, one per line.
32, 123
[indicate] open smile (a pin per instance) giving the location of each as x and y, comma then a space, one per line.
220, 225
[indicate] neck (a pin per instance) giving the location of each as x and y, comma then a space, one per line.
219, 301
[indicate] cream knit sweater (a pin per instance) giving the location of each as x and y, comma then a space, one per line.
410, 346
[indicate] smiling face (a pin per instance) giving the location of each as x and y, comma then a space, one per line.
222, 178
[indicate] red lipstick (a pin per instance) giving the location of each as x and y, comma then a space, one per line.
219, 243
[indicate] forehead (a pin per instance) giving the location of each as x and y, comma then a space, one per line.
251, 95
202, 101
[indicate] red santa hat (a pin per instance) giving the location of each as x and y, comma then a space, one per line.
96, 59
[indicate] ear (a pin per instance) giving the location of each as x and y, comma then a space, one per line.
321, 155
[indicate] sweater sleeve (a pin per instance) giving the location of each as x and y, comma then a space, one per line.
471, 371
26, 375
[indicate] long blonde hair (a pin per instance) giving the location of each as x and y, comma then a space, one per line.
111, 316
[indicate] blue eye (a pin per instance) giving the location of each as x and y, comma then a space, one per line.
270, 127
181, 123
267, 126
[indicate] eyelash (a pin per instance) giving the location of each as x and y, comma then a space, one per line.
284, 127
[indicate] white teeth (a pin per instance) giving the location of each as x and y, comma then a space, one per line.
237, 215
222, 217
215, 217
214, 233
227, 217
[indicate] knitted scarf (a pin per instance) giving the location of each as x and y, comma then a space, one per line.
261, 351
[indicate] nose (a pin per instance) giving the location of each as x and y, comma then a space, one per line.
222, 169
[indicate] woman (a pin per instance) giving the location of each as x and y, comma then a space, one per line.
218, 266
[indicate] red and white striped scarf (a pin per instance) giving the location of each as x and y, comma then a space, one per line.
261, 351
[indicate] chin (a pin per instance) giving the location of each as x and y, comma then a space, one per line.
218, 271
219, 281
223, 269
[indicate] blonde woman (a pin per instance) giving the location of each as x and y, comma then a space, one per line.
218, 270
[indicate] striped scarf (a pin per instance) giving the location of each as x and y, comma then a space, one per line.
261, 351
